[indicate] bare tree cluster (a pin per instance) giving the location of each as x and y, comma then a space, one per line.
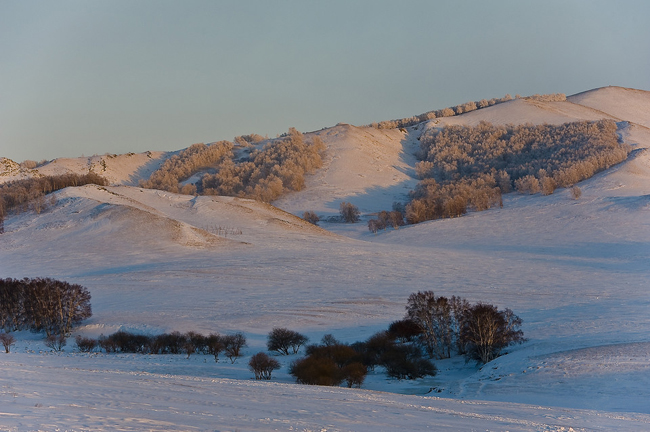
386, 219
185, 164
466, 167
280, 166
42, 304
479, 331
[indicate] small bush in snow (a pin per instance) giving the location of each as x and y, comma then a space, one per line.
85, 344
56, 342
576, 192
311, 217
262, 366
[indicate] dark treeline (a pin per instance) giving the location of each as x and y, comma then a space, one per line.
167, 343
464, 167
264, 174
42, 304
29, 194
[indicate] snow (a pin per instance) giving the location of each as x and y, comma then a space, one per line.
576, 271
126, 169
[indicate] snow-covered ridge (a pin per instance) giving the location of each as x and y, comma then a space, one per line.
576, 272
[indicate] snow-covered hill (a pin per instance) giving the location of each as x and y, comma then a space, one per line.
127, 169
576, 271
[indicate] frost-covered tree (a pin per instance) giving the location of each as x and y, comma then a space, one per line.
349, 212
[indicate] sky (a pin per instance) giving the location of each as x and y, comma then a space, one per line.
94, 77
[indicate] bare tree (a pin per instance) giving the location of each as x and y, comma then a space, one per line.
434, 316
262, 366
7, 341
486, 331
282, 340
233, 345
214, 344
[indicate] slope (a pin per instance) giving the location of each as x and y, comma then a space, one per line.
574, 270
373, 168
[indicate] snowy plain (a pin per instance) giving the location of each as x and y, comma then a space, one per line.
576, 271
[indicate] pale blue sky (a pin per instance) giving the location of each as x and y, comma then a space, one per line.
91, 77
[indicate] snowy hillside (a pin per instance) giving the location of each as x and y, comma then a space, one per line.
576, 272
125, 169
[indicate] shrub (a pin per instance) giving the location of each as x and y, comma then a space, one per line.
371, 350
349, 212
168, 343
107, 344
316, 371
401, 360
528, 184
262, 366
406, 362
329, 364
126, 342
56, 342
7, 341
282, 339
405, 330
576, 192
354, 374
85, 344
311, 217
